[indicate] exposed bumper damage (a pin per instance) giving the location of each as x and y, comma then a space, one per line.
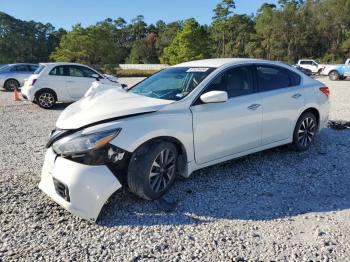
79, 188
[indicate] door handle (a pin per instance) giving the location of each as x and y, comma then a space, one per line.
296, 96
69, 81
254, 106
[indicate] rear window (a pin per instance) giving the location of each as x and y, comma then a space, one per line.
39, 69
271, 78
33, 68
58, 71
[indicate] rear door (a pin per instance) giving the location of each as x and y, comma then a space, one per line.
234, 126
56, 80
78, 81
282, 100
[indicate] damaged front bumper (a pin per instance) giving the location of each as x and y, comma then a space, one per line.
79, 188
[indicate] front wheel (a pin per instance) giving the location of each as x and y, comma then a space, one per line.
152, 169
305, 131
46, 99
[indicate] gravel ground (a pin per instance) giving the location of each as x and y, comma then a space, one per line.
276, 205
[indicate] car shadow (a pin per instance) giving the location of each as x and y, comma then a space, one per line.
277, 183
60, 106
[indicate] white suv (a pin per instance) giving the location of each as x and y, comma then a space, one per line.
313, 65
61, 82
181, 119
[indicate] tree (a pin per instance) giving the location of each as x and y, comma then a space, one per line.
166, 35
221, 25
94, 45
191, 43
22, 41
144, 51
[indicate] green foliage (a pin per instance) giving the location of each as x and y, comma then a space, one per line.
191, 43
94, 45
144, 51
26, 41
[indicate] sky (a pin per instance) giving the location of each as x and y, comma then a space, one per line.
65, 13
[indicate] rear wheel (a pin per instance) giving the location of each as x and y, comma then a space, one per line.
46, 99
334, 76
152, 169
11, 84
305, 131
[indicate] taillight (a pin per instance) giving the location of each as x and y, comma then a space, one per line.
325, 90
33, 82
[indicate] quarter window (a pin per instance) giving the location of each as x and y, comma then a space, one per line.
271, 78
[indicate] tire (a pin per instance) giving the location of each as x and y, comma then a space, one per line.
305, 132
148, 176
11, 84
46, 99
334, 75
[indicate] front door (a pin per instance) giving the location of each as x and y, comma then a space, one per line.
234, 126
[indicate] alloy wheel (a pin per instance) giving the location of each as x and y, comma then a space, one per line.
306, 132
162, 170
46, 100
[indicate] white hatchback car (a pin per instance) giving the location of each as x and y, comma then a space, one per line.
181, 119
61, 82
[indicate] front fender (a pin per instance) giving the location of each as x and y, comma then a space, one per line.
138, 130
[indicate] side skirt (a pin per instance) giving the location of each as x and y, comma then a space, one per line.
193, 166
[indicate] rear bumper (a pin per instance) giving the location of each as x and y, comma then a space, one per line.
27, 93
80, 189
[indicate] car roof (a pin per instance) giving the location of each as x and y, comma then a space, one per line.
60, 63
19, 64
218, 62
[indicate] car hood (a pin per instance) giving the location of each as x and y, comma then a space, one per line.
107, 105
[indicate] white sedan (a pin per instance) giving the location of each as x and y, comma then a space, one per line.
61, 82
181, 119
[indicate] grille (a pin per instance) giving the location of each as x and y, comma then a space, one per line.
61, 189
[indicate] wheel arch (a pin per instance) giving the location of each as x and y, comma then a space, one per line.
12, 78
314, 111
182, 159
333, 70
45, 89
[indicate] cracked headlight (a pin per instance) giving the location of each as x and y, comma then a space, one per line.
79, 143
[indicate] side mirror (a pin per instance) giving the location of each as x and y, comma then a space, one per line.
96, 76
214, 97
124, 86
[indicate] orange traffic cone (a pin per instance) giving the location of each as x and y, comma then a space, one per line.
16, 95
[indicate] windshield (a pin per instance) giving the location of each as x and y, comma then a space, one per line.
173, 83
39, 69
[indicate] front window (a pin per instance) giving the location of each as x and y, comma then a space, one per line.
173, 83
